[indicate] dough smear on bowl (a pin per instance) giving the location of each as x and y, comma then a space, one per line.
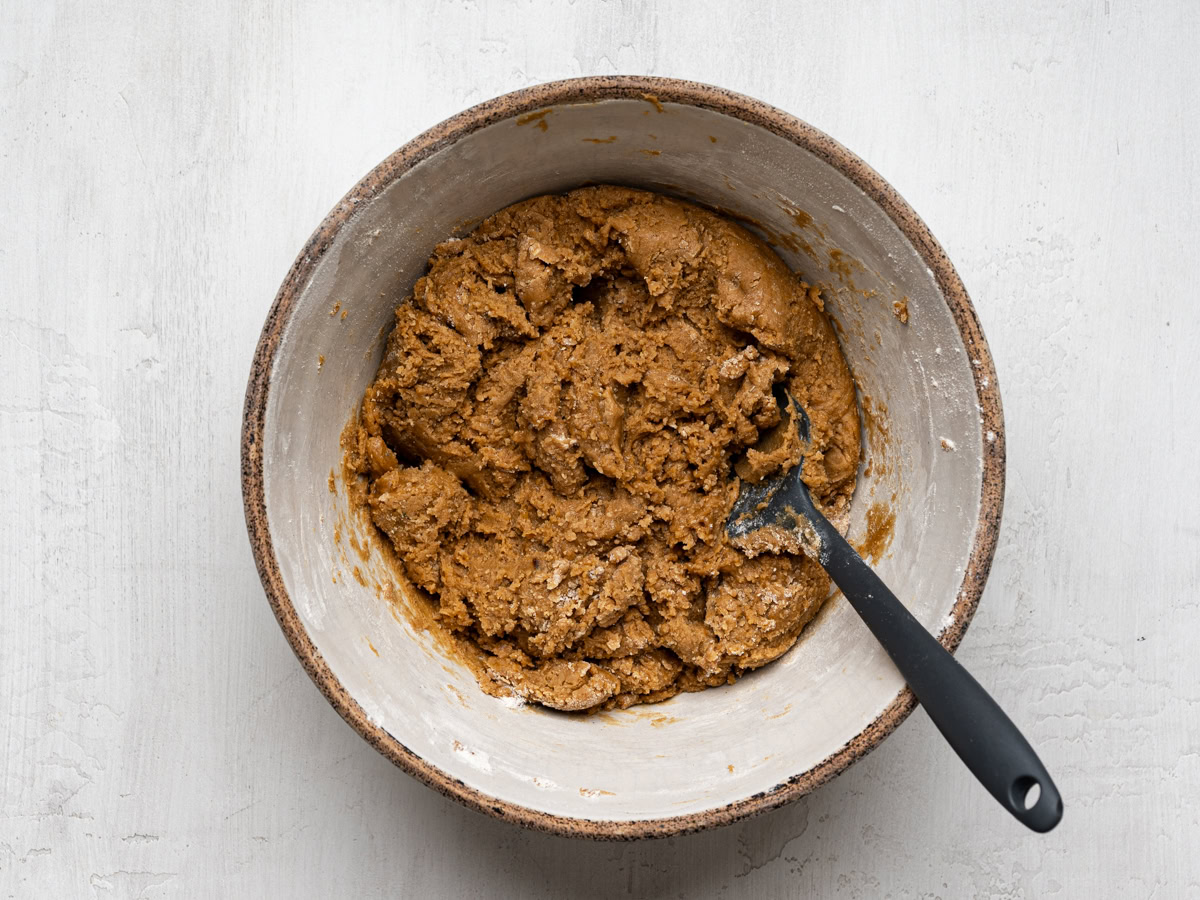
559, 427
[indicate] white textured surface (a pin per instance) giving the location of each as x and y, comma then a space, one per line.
160, 168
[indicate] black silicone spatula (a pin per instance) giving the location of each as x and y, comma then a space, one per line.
968, 718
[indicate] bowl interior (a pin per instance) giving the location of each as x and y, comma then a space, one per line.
696, 752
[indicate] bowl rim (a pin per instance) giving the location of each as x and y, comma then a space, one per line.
655, 90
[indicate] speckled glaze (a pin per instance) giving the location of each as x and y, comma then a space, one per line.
987, 470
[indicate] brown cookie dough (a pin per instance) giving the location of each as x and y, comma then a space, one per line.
559, 427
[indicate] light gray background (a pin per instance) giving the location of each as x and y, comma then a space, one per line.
161, 166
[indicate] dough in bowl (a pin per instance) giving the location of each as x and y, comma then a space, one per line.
565, 410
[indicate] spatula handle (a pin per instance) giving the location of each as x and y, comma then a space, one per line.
971, 721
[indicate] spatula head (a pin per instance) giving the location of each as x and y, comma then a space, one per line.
774, 514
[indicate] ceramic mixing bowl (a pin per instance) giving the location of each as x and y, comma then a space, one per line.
934, 459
